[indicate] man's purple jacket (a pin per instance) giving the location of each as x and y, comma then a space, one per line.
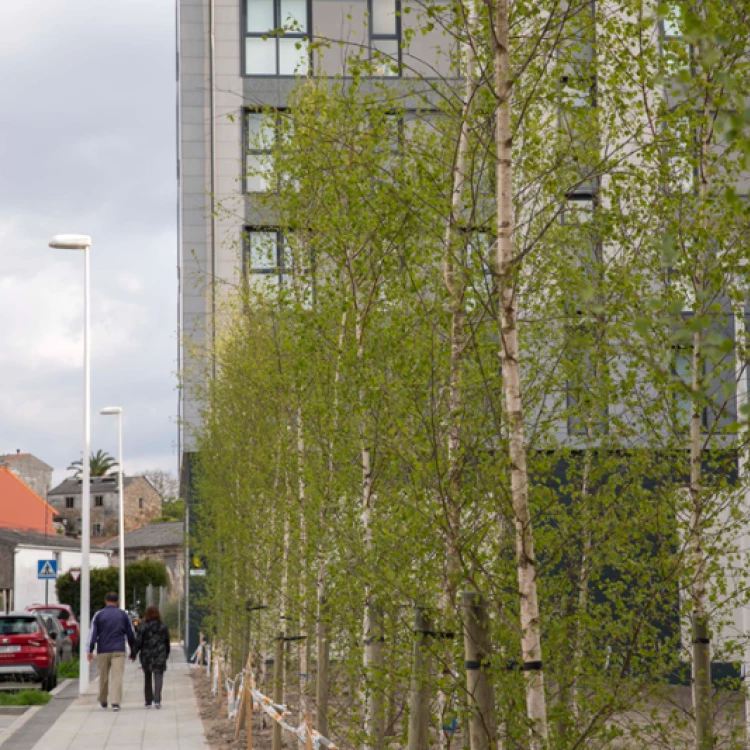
109, 630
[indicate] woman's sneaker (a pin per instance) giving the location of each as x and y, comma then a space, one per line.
157, 705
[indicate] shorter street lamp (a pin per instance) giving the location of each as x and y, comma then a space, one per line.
117, 411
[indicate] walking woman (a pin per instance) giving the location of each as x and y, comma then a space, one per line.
152, 644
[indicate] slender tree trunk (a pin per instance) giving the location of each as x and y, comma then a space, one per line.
372, 621
456, 287
531, 645
322, 678
701, 667
304, 645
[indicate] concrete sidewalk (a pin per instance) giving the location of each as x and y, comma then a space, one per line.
84, 725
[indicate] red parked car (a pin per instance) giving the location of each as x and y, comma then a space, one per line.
27, 651
62, 612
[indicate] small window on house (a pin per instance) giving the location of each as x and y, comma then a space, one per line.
140, 502
70, 502
96, 529
98, 501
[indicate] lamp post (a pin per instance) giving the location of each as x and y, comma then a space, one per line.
117, 411
83, 242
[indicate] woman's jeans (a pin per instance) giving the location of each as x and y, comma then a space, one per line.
153, 693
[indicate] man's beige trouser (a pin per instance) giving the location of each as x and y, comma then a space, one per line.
116, 663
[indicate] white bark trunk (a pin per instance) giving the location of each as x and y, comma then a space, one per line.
529, 609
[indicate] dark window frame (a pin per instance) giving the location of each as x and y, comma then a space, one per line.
96, 530
395, 37
247, 151
70, 503
98, 501
280, 269
278, 23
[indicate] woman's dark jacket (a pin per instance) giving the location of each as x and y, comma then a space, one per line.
152, 644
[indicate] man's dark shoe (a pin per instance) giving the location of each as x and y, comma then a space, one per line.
115, 707
148, 705
103, 705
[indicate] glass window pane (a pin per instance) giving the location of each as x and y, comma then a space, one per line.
261, 131
260, 15
294, 15
260, 56
258, 179
293, 61
261, 251
384, 17
578, 212
385, 57
254, 130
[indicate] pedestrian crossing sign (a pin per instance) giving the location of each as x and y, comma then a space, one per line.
46, 569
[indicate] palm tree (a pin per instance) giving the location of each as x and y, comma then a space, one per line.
100, 463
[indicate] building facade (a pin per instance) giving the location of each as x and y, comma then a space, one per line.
229, 71
156, 541
30, 470
20, 552
142, 503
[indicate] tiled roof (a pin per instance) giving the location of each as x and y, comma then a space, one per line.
153, 535
36, 539
72, 485
21, 507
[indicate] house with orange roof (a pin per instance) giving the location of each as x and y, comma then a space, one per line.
21, 509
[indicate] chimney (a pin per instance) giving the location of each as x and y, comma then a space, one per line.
18, 451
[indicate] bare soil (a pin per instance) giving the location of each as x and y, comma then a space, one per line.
218, 728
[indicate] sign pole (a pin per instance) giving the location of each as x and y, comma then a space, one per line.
46, 592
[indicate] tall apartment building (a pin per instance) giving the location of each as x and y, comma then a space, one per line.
228, 70
227, 73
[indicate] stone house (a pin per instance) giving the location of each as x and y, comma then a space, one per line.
156, 541
32, 471
142, 504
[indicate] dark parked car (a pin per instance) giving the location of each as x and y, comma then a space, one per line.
27, 650
63, 612
63, 644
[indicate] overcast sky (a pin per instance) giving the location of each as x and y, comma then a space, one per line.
87, 145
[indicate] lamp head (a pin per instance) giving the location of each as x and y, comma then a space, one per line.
71, 242
111, 410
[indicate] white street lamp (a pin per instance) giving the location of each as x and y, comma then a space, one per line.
117, 411
83, 242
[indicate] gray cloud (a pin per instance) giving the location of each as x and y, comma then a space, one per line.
88, 146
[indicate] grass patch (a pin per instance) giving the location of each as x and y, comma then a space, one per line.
25, 698
68, 670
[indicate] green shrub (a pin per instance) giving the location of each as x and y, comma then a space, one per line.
25, 698
68, 670
137, 576
173, 619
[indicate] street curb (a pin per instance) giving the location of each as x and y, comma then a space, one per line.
30, 713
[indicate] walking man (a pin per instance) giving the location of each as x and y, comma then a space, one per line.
110, 628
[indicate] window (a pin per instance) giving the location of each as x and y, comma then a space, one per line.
261, 135
265, 255
385, 37
96, 529
285, 53
70, 502
586, 402
140, 503
99, 501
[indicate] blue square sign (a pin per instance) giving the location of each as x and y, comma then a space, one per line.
46, 569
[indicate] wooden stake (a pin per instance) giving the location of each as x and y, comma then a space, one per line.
246, 697
419, 710
278, 688
249, 703
308, 731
